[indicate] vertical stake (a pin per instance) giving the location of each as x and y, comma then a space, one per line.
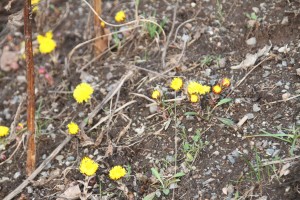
30, 165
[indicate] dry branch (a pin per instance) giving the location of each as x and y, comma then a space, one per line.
30, 165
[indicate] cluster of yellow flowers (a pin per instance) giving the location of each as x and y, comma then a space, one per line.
89, 167
34, 4
218, 88
82, 93
193, 89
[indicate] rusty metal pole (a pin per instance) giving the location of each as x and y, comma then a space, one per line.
31, 160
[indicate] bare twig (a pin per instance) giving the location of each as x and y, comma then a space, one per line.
278, 101
16, 118
108, 116
279, 161
30, 165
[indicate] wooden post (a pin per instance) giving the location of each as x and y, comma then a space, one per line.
30, 165
101, 44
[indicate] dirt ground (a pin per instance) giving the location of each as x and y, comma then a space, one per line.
218, 156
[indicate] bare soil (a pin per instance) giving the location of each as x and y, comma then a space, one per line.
223, 167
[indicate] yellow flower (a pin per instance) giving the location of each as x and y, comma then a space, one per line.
204, 89
83, 92
4, 131
225, 82
88, 166
47, 44
117, 172
20, 126
197, 88
194, 98
102, 24
120, 16
217, 89
73, 128
155, 94
176, 84
33, 2
192, 87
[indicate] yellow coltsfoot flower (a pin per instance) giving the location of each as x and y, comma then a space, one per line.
217, 89
194, 98
83, 92
47, 44
197, 88
156, 94
88, 166
4, 131
193, 87
73, 128
225, 82
120, 16
176, 84
117, 172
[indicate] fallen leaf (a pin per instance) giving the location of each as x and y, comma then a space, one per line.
72, 192
284, 170
252, 58
9, 60
109, 150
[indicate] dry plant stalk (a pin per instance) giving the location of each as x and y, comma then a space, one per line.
30, 165
101, 44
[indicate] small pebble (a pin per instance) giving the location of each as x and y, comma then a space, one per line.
285, 20
70, 158
266, 74
298, 71
17, 175
231, 159
29, 189
270, 152
250, 115
251, 41
276, 152
96, 152
59, 158
279, 83
256, 107
284, 63
153, 109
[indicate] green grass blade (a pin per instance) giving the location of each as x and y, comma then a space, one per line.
149, 196
226, 121
157, 175
179, 174
223, 101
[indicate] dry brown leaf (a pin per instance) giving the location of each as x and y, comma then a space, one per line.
109, 150
72, 192
125, 129
285, 170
